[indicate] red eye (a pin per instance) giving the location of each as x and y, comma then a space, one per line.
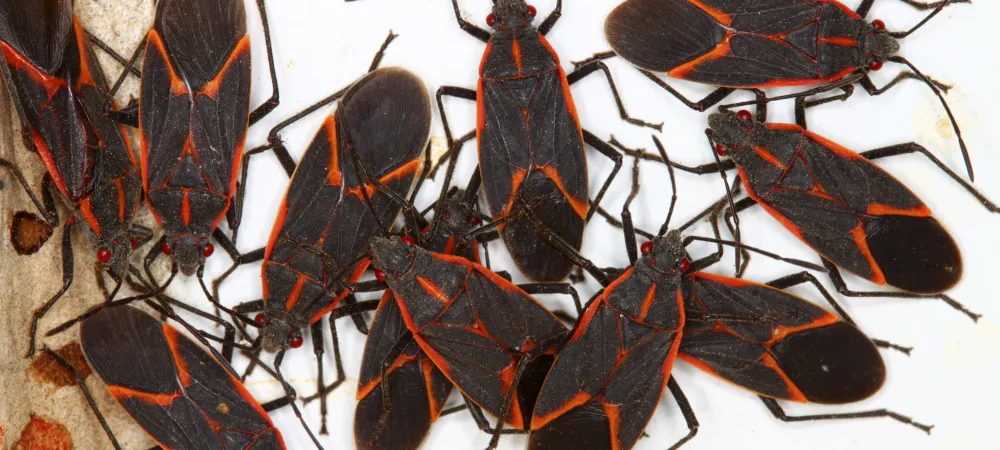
721, 150
165, 248
878, 24
259, 318
647, 247
685, 265
104, 255
532, 11
475, 220
408, 240
875, 65
296, 342
745, 115
379, 275
207, 250
491, 19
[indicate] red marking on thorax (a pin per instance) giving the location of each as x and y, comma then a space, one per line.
186, 207
768, 157
515, 49
839, 41
433, 290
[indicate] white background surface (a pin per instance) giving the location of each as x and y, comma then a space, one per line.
950, 378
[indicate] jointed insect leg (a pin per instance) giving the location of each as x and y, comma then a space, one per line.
551, 20
272, 102
779, 413
47, 206
608, 151
554, 288
806, 277
686, 411
583, 71
67, 278
702, 105
912, 147
841, 286
469, 27
82, 383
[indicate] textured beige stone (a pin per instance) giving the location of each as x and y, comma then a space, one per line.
26, 282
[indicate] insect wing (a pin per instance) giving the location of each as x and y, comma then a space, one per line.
796, 351
179, 394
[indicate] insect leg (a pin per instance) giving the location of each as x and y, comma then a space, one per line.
608, 151
551, 20
67, 277
912, 147
841, 286
469, 27
779, 413
583, 71
806, 277
709, 101
686, 411
86, 393
272, 102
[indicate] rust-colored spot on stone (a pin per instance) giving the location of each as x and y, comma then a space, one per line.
43, 434
28, 232
46, 369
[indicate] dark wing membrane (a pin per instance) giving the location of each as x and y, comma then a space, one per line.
529, 248
386, 117
660, 35
800, 352
604, 384
200, 35
914, 253
753, 61
39, 30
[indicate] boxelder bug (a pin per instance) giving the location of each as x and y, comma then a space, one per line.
419, 388
322, 227
853, 213
531, 144
764, 43
193, 114
489, 337
58, 89
606, 381
181, 396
